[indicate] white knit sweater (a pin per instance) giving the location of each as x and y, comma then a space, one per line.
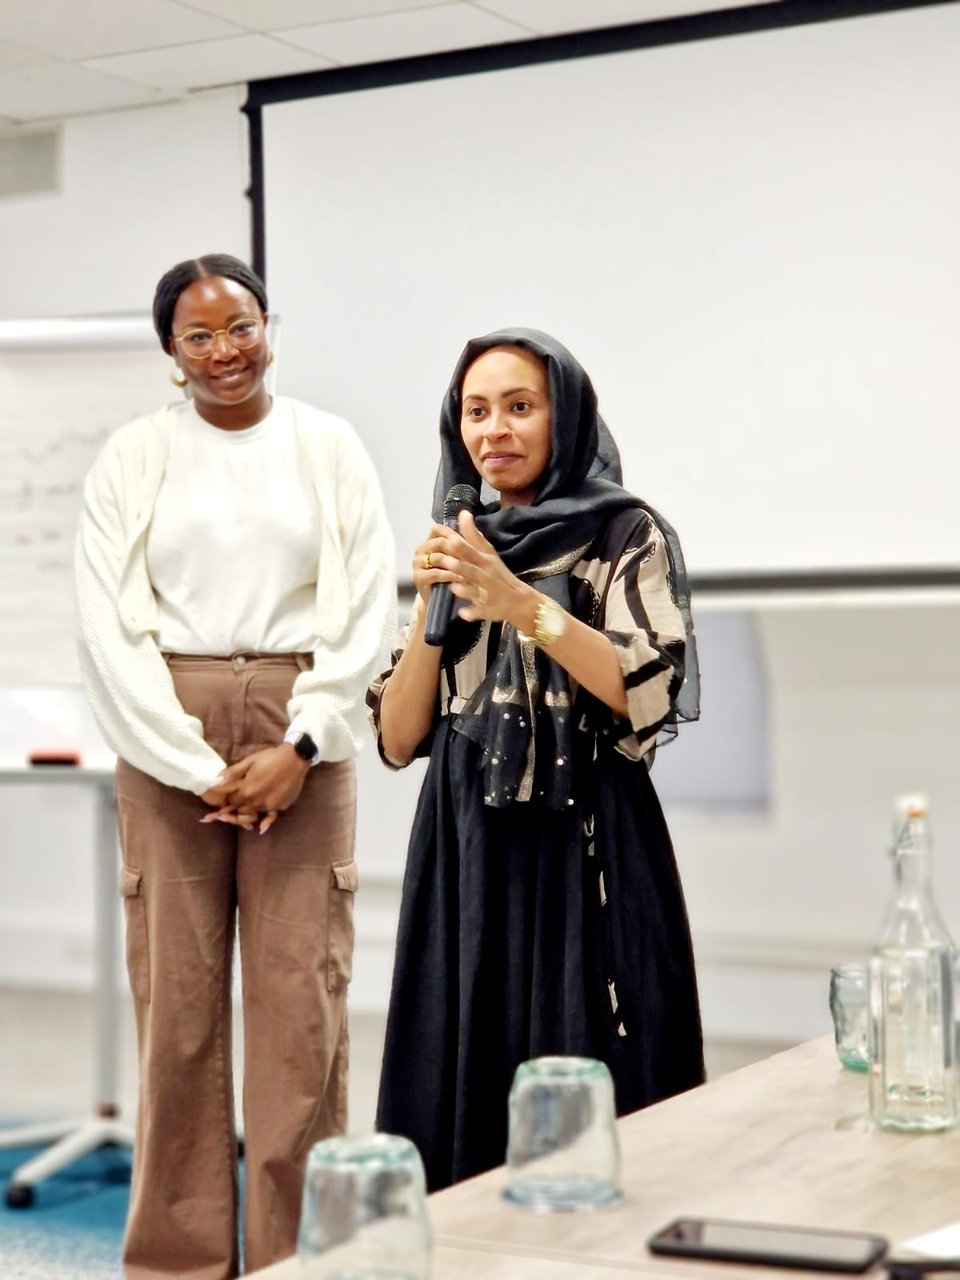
127, 681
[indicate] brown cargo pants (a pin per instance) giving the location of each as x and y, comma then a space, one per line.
184, 886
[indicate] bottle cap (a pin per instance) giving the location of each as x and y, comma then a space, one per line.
912, 805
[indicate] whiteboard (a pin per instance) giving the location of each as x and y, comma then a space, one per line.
64, 387
750, 243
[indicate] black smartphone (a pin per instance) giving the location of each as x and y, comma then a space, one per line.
769, 1245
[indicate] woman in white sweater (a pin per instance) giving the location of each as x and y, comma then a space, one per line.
235, 579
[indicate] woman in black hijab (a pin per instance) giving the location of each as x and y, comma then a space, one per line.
542, 910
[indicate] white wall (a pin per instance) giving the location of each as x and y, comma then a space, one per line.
864, 705
140, 191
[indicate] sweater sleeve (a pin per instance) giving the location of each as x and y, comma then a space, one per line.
328, 700
127, 682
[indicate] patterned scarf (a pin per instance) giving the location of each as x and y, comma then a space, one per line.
521, 714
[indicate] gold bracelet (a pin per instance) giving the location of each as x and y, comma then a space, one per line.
549, 623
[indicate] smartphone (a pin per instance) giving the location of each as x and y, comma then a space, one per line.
769, 1245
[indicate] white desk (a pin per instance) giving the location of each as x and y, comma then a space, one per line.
74, 1138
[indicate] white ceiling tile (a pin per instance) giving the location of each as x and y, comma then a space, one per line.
214, 62
278, 14
172, 35
15, 55
404, 35
550, 17
62, 89
77, 29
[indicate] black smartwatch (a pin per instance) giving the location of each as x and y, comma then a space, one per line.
303, 745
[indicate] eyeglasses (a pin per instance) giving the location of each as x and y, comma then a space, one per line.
198, 344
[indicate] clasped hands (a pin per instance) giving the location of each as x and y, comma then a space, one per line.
254, 791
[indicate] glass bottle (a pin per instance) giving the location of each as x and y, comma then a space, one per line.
913, 1052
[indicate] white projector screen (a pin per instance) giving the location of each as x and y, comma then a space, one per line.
751, 243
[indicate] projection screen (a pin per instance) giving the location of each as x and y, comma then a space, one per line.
750, 242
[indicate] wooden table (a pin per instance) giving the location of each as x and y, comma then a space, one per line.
787, 1140
474, 1264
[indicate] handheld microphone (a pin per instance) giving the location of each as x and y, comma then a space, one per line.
462, 497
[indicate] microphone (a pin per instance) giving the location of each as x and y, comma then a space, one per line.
462, 497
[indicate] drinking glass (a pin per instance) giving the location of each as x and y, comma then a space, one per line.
364, 1211
849, 1005
562, 1152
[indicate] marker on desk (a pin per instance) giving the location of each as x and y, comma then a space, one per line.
70, 758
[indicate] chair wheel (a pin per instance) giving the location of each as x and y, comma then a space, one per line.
19, 1195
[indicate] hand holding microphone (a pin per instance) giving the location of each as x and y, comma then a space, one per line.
441, 604
466, 576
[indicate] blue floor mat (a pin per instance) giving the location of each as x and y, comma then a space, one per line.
74, 1228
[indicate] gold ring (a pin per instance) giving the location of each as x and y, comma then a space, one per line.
482, 595
426, 559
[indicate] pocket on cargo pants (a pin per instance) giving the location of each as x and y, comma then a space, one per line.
340, 927
135, 910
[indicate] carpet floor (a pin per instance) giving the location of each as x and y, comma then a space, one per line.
74, 1228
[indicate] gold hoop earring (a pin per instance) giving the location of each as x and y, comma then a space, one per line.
178, 382
269, 358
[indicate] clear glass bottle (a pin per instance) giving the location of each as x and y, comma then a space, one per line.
913, 1049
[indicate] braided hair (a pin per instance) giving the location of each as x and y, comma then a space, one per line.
173, 282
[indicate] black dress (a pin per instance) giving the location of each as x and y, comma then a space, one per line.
526, 930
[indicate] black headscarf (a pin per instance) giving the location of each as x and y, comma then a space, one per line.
521, 712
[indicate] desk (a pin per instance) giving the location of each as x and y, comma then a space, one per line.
785, 1140
74, 1138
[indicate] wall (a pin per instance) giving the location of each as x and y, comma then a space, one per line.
140, 190
864, 706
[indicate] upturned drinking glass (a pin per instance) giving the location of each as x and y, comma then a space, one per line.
364, 1211
563, 1152
849, 1004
